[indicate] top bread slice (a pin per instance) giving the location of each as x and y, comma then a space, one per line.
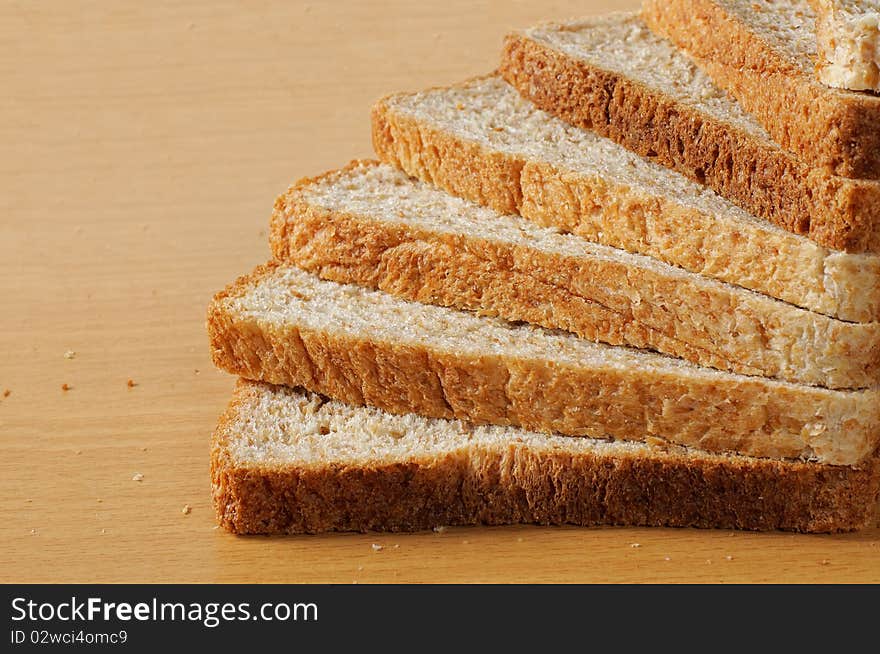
287, 461
283, 325
848, 43
370, 224
612, 75
764, 53
482, 141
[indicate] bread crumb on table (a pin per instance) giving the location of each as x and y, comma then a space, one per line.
70, 354
7, 393
66, 387
635, 545
137, 477
376, 547
131, 383
439, 529
187, 509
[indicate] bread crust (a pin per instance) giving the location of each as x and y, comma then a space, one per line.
609, 212
833, 211
597, 298
749, 415
514, 483
828, 128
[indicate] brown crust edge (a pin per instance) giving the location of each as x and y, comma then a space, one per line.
476, 274
828, 128
744, 415
766, 181
511, 184
516, 484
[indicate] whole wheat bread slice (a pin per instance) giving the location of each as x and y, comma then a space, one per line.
764, 53
612, 75
848, 43
285, 461
371, 225
480, 140
286, 326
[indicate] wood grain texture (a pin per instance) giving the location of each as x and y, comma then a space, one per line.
141, 148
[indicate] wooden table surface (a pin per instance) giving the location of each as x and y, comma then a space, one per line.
141, 147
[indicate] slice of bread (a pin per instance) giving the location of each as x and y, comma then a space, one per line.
286, 326
371, 225
480, 140
764, 53
285, 461
848, 43
612, 75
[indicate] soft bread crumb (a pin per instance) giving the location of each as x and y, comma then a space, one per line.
66, 387
137, 477
376, 547
187, 509
70, 354
634, 545
439, 529
7, 393
131, 383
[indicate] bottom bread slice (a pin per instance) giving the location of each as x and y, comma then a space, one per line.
286, 461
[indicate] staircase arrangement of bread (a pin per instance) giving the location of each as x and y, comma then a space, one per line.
631, 278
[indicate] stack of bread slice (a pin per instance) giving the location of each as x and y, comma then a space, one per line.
630, 278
